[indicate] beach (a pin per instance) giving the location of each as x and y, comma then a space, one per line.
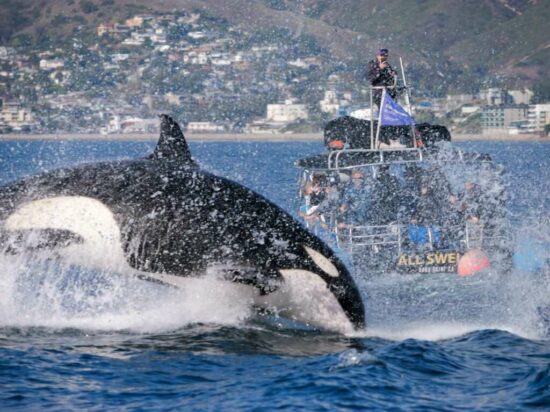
253, 137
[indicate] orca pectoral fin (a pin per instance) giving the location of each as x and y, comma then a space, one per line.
20, 241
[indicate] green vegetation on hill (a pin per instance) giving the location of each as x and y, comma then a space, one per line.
258, 52
466, 41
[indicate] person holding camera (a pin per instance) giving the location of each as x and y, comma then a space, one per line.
381, 74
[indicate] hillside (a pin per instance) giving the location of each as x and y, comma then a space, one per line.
464, 41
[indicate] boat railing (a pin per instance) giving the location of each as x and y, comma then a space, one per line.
352, 158
473, 235
478, 235
470, 236
361, 236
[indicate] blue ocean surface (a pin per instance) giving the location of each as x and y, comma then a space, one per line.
72, 339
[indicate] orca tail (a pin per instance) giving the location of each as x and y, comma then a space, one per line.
171, 144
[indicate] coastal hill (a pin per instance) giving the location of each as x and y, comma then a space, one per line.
467, 39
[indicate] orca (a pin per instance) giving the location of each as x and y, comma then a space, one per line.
167, 219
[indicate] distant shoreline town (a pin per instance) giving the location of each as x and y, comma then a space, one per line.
112, 79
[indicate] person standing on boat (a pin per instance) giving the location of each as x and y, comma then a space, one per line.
381, 74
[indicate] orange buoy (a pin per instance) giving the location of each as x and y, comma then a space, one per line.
471, 262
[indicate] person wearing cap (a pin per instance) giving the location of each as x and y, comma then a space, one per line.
380, 73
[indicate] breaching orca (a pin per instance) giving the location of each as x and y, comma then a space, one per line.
168, 220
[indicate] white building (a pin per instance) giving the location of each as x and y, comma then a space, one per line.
523, 96
497, 119
129, 124
15, 116
6, 52
136, 39
204, 127
455, 101
494, 96
194, 57
467, 110
364, 113
538, 116
139, 125
113, 126
136, 21
196, 35
299, 63
51, 64
120, 57
287, 112
330, 103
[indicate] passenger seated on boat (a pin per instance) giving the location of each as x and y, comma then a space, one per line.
331, 199
408, 192
386, 197
322, 198
427, 208
356, 203
493, 199
313, 195
471, 202
320, 216
426, 221
450, 222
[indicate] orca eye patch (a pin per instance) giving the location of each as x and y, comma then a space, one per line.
322, 262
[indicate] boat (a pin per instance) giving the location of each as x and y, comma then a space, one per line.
401, 198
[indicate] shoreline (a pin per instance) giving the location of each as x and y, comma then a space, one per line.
243, 137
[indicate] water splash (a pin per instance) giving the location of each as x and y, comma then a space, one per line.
46, 292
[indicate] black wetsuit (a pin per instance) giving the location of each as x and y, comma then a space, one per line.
381, 77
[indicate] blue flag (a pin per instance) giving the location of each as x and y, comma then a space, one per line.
391, 114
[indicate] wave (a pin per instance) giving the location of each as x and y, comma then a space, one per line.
45, 292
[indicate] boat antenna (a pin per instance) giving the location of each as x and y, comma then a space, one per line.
407, 99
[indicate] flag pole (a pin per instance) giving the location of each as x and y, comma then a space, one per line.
371, 120
407, 100
382, 101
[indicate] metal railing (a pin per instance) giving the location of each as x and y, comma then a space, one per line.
380, 157
354, 237
473, 236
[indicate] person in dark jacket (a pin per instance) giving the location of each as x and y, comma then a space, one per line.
380, 73
424, 228
387, 196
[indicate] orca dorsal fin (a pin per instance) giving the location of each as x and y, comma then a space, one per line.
171, 144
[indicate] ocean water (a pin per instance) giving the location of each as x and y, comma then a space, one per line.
77, 339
